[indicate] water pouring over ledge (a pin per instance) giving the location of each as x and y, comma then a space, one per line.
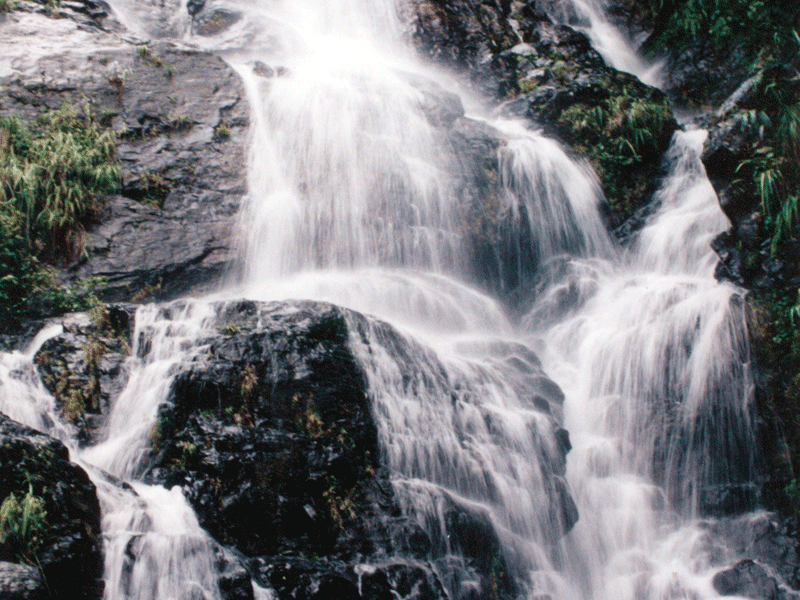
320, 225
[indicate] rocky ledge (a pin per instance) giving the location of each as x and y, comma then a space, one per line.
181, 119
271, 435
58, 536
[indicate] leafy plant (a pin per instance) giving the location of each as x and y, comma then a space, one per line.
759, 24
223, 132
188, 450
57, 178
770, 171
341, 503
229, 329
23, 525
620, 135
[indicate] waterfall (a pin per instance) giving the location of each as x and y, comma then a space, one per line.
614, 45
655, 368
351, 200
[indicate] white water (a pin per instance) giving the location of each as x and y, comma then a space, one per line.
613, 44
154, 549
655, 368
350, 200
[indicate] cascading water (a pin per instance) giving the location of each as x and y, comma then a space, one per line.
350, 201
153, 545
655, 367
614, 45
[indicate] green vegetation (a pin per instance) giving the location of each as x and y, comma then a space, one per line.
23, 525
757, 24
7, 5
770, 172
54, 175
222, 132
775, 341
341, 503
308, 418
156, 189
621, 135
145, 55
229, 329
188, 450
768, 177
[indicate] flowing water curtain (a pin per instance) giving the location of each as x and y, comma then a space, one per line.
616, 46
654, 359
469, 449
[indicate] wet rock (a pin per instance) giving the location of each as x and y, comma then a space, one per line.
441, 107
195, 6
550, 75
84, 367
70, 551
468, 36
270, 434
263, 70
213, 22
235, 582
170, 230
275, 439
747, 578
764, 538
21, 582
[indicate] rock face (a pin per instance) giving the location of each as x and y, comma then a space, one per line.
70, 549
21, 582
84, 367
181, 118
767, 557
271, 436
550, 75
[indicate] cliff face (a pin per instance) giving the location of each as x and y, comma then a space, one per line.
180, 119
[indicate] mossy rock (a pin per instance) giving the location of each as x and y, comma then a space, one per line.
622, 126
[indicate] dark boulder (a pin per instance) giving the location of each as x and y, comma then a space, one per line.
84, 367
70, 548
749, 579
271, 435
764, 538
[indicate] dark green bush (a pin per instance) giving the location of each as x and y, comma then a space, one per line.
54, 175
758, 24
621, 135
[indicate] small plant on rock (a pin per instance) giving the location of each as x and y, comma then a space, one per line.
229, 329
223, 132
23, 525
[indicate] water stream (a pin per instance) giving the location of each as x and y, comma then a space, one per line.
350, 201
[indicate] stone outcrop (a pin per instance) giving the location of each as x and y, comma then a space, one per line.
181, 118
270, 434
550, 75
69, 550
84, 367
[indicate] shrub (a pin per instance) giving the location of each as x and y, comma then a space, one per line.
54, 175
758, 24
23, 525
621, 135
58, 178
769, 173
